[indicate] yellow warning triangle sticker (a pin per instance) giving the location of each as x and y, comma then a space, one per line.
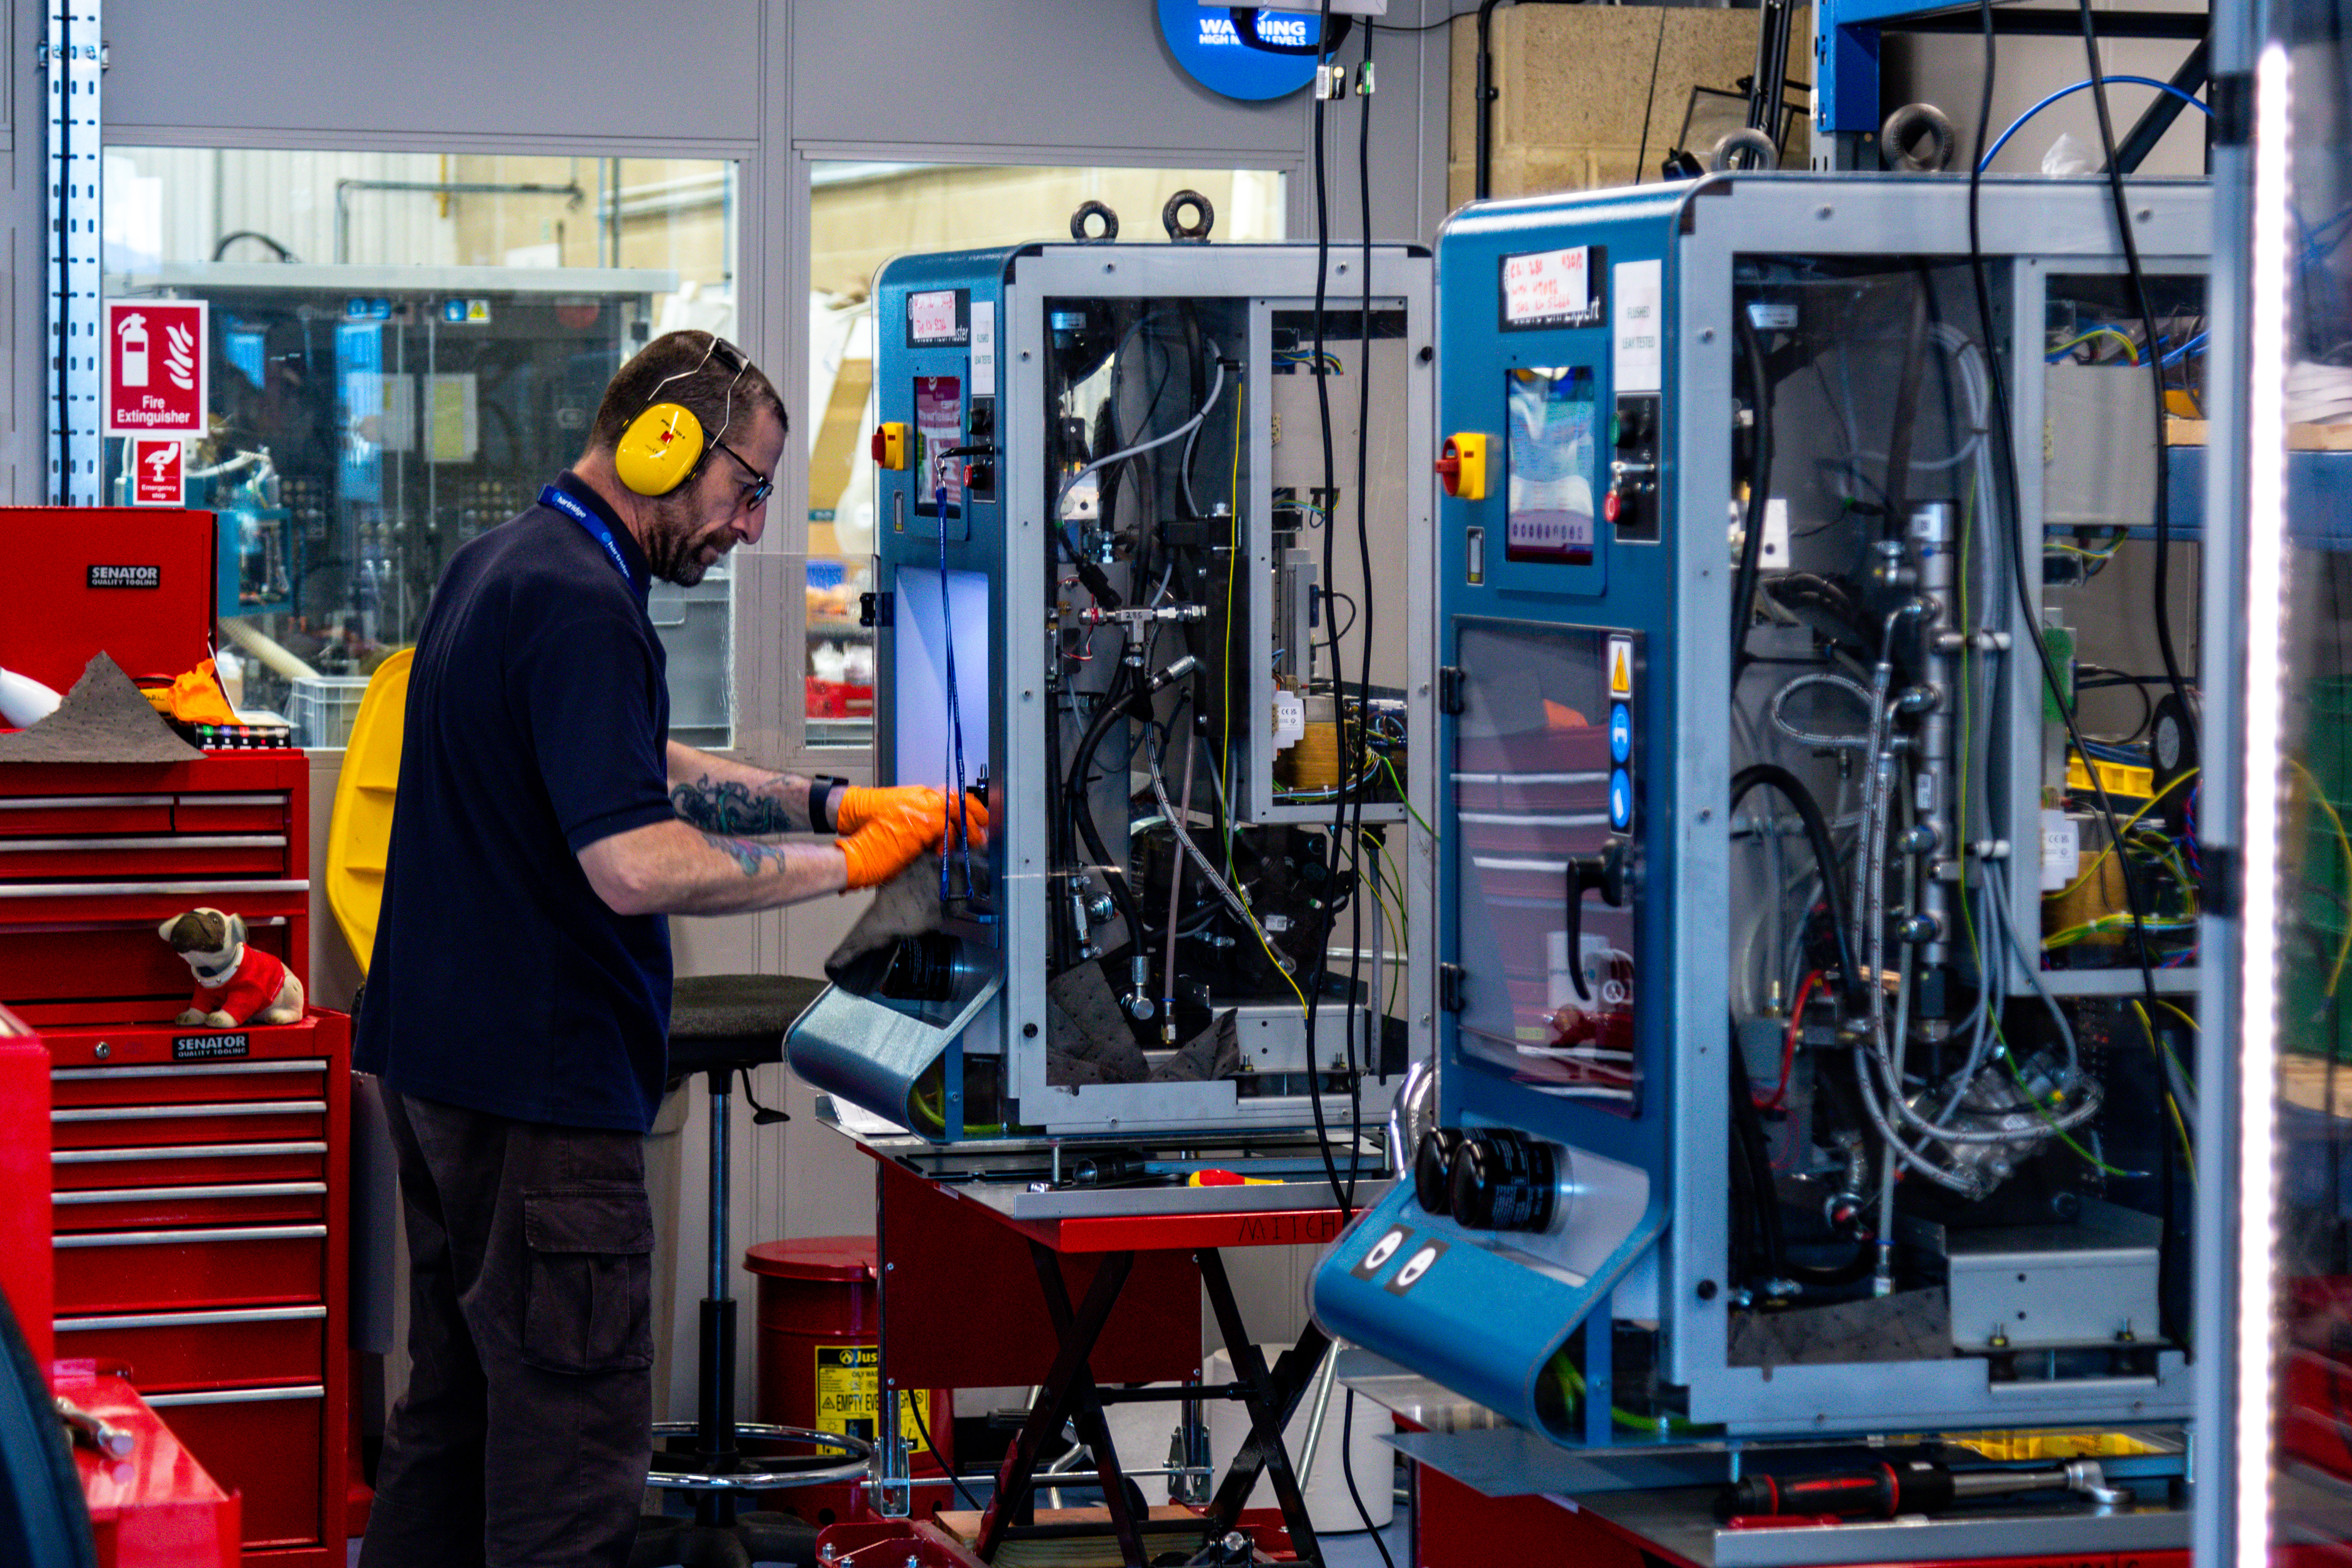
1620, 669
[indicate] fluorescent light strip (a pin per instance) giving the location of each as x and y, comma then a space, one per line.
2271, 280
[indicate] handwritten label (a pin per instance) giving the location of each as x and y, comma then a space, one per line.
1548, 289
931, 317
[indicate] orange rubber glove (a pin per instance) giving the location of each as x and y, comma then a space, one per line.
854, 805
972, 816
895, 837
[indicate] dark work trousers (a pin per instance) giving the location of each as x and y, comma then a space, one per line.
525, 1434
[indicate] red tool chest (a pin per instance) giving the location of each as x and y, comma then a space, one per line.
199, 1203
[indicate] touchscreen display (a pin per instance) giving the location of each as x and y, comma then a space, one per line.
1552, 456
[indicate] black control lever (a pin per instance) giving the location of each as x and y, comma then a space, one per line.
1608, 873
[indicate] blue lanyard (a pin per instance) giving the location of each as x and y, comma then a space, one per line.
598, 529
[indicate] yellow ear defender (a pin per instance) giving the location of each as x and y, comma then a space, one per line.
664, 444
659, 448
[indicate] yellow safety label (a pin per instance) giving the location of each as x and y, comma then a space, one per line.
847, 1395
1621, 667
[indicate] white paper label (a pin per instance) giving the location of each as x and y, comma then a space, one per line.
1289, 720
1636, 341
983, 348
2062, 850
1548, 286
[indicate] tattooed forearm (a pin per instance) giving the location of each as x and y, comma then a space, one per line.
750, 858
725, 806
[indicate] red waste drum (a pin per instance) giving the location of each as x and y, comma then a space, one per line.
820, 1328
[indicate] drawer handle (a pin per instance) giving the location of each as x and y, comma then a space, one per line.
159, 841
166, 1112
147, 1195
78, 801
233, 1395
183, 1151
186, 1237
189, 1320
192, 1069
140, 922
142, 890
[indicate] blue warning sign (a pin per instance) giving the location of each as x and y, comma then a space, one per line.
1620, 733
1621, 799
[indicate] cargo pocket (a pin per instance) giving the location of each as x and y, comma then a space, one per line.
588, 1297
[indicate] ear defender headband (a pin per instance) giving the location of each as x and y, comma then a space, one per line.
664, 445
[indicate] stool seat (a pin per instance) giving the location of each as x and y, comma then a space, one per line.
720, 1021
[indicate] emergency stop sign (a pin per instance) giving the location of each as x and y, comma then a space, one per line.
156, 464
157, 356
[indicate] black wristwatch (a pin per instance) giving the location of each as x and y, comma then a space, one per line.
821, 790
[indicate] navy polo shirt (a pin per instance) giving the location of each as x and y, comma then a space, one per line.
537, 723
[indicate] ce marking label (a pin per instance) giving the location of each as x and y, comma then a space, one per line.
1419, 1264
1391, 1242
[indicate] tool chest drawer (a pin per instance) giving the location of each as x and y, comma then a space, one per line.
266, 1443
143, 856
141, 1083
47, 816
197, 1165
189, 1266
226, 1204
214, 1348
240, 1122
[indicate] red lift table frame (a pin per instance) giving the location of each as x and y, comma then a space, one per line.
943, 1248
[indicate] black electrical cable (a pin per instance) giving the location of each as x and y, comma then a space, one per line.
915, 1405
1649, 98
1353, 764
1759, 482
2138, 683
1817, 835
2160, 586
1320, 949
1114, 710
2005, 439
1897, 488
1347, 1468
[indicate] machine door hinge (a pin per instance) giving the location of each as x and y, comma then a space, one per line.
1449, 688
1449, 987
873, 609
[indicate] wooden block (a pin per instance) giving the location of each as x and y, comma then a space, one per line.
1089, 1542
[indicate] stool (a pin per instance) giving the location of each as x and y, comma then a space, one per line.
722, 1025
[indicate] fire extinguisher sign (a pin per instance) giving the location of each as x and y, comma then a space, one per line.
158, 359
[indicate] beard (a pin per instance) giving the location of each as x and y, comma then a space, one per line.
671, 549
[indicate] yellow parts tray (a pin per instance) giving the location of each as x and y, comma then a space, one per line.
2121, 778
360, 837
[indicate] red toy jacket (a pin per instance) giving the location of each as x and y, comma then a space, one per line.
255, 985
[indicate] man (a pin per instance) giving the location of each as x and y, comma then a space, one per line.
517, 1005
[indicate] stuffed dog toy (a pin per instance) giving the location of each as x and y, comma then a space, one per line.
235, 983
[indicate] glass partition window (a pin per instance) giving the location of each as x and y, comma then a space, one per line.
2299, 648
862, 215
404, 347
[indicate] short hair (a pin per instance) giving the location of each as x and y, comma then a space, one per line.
714, 381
